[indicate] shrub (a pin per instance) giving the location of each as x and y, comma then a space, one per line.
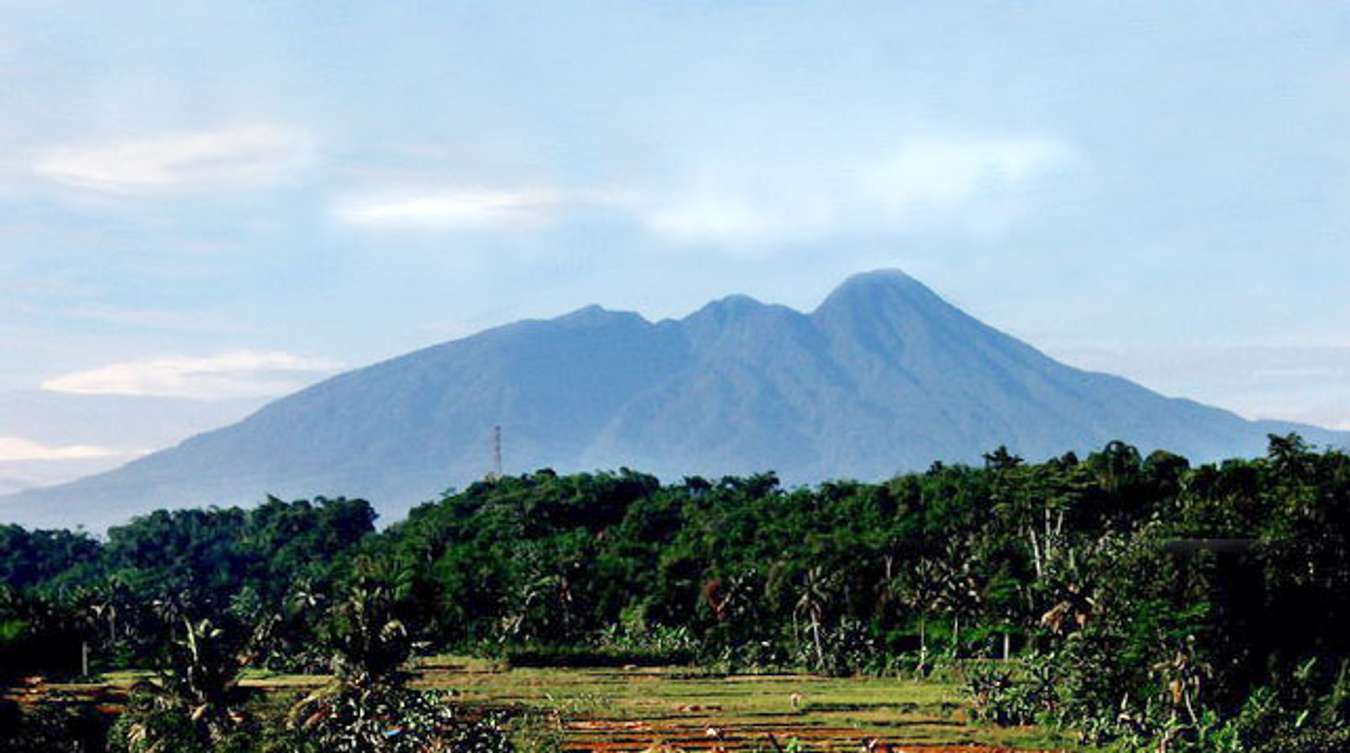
389, 719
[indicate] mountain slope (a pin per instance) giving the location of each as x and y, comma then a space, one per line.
883, 376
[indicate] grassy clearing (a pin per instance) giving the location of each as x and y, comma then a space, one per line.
632, 709
602, 708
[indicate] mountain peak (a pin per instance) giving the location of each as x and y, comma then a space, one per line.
596, 315
884, 275
878, 289
727, 307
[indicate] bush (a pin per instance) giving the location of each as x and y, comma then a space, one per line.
51, 728
389, 719
1317, 740
155, 722
1008, 695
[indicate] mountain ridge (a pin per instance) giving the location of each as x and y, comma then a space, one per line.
882, 376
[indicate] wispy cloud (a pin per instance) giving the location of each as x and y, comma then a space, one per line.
243, 373
28, 464
757, 198
18, 448
460, 208
239, 155
942, 173
967, 183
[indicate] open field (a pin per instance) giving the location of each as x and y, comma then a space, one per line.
617, 710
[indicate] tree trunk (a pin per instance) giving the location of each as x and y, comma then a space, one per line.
820, 651
1007, 641
1035, 552
923, 643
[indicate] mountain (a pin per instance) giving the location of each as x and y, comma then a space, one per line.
883, 376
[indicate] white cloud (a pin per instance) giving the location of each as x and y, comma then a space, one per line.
243, 373
240, 155
968, 184
952, 173
18, 448
748, 200
464, 208
706, 217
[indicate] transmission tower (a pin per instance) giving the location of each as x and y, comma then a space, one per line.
496, 472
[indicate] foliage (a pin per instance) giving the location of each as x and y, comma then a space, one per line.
196, 704
1138, 599
50, 728
384, 718
367, 639
1014, 694
369, 709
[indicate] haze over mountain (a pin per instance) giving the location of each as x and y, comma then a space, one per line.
883, 376
77, 435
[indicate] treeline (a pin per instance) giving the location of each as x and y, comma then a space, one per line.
62, 592
1136, 599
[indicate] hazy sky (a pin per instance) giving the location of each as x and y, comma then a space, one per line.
226, 200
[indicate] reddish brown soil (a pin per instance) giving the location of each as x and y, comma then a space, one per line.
600, 736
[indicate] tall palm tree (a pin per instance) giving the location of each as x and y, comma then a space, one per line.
369, 641
811, 601
958, 592
919, 586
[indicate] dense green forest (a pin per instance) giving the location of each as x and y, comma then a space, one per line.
1138, 601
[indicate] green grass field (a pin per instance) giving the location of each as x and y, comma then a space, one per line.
677, 708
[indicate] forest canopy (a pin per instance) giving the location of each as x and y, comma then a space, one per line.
1132, 594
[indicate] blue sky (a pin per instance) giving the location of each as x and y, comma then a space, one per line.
218, 202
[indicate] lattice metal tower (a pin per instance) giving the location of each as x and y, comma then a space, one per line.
496, 471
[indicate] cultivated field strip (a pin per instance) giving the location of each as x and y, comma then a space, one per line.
670, 710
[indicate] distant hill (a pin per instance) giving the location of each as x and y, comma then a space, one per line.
883, 376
